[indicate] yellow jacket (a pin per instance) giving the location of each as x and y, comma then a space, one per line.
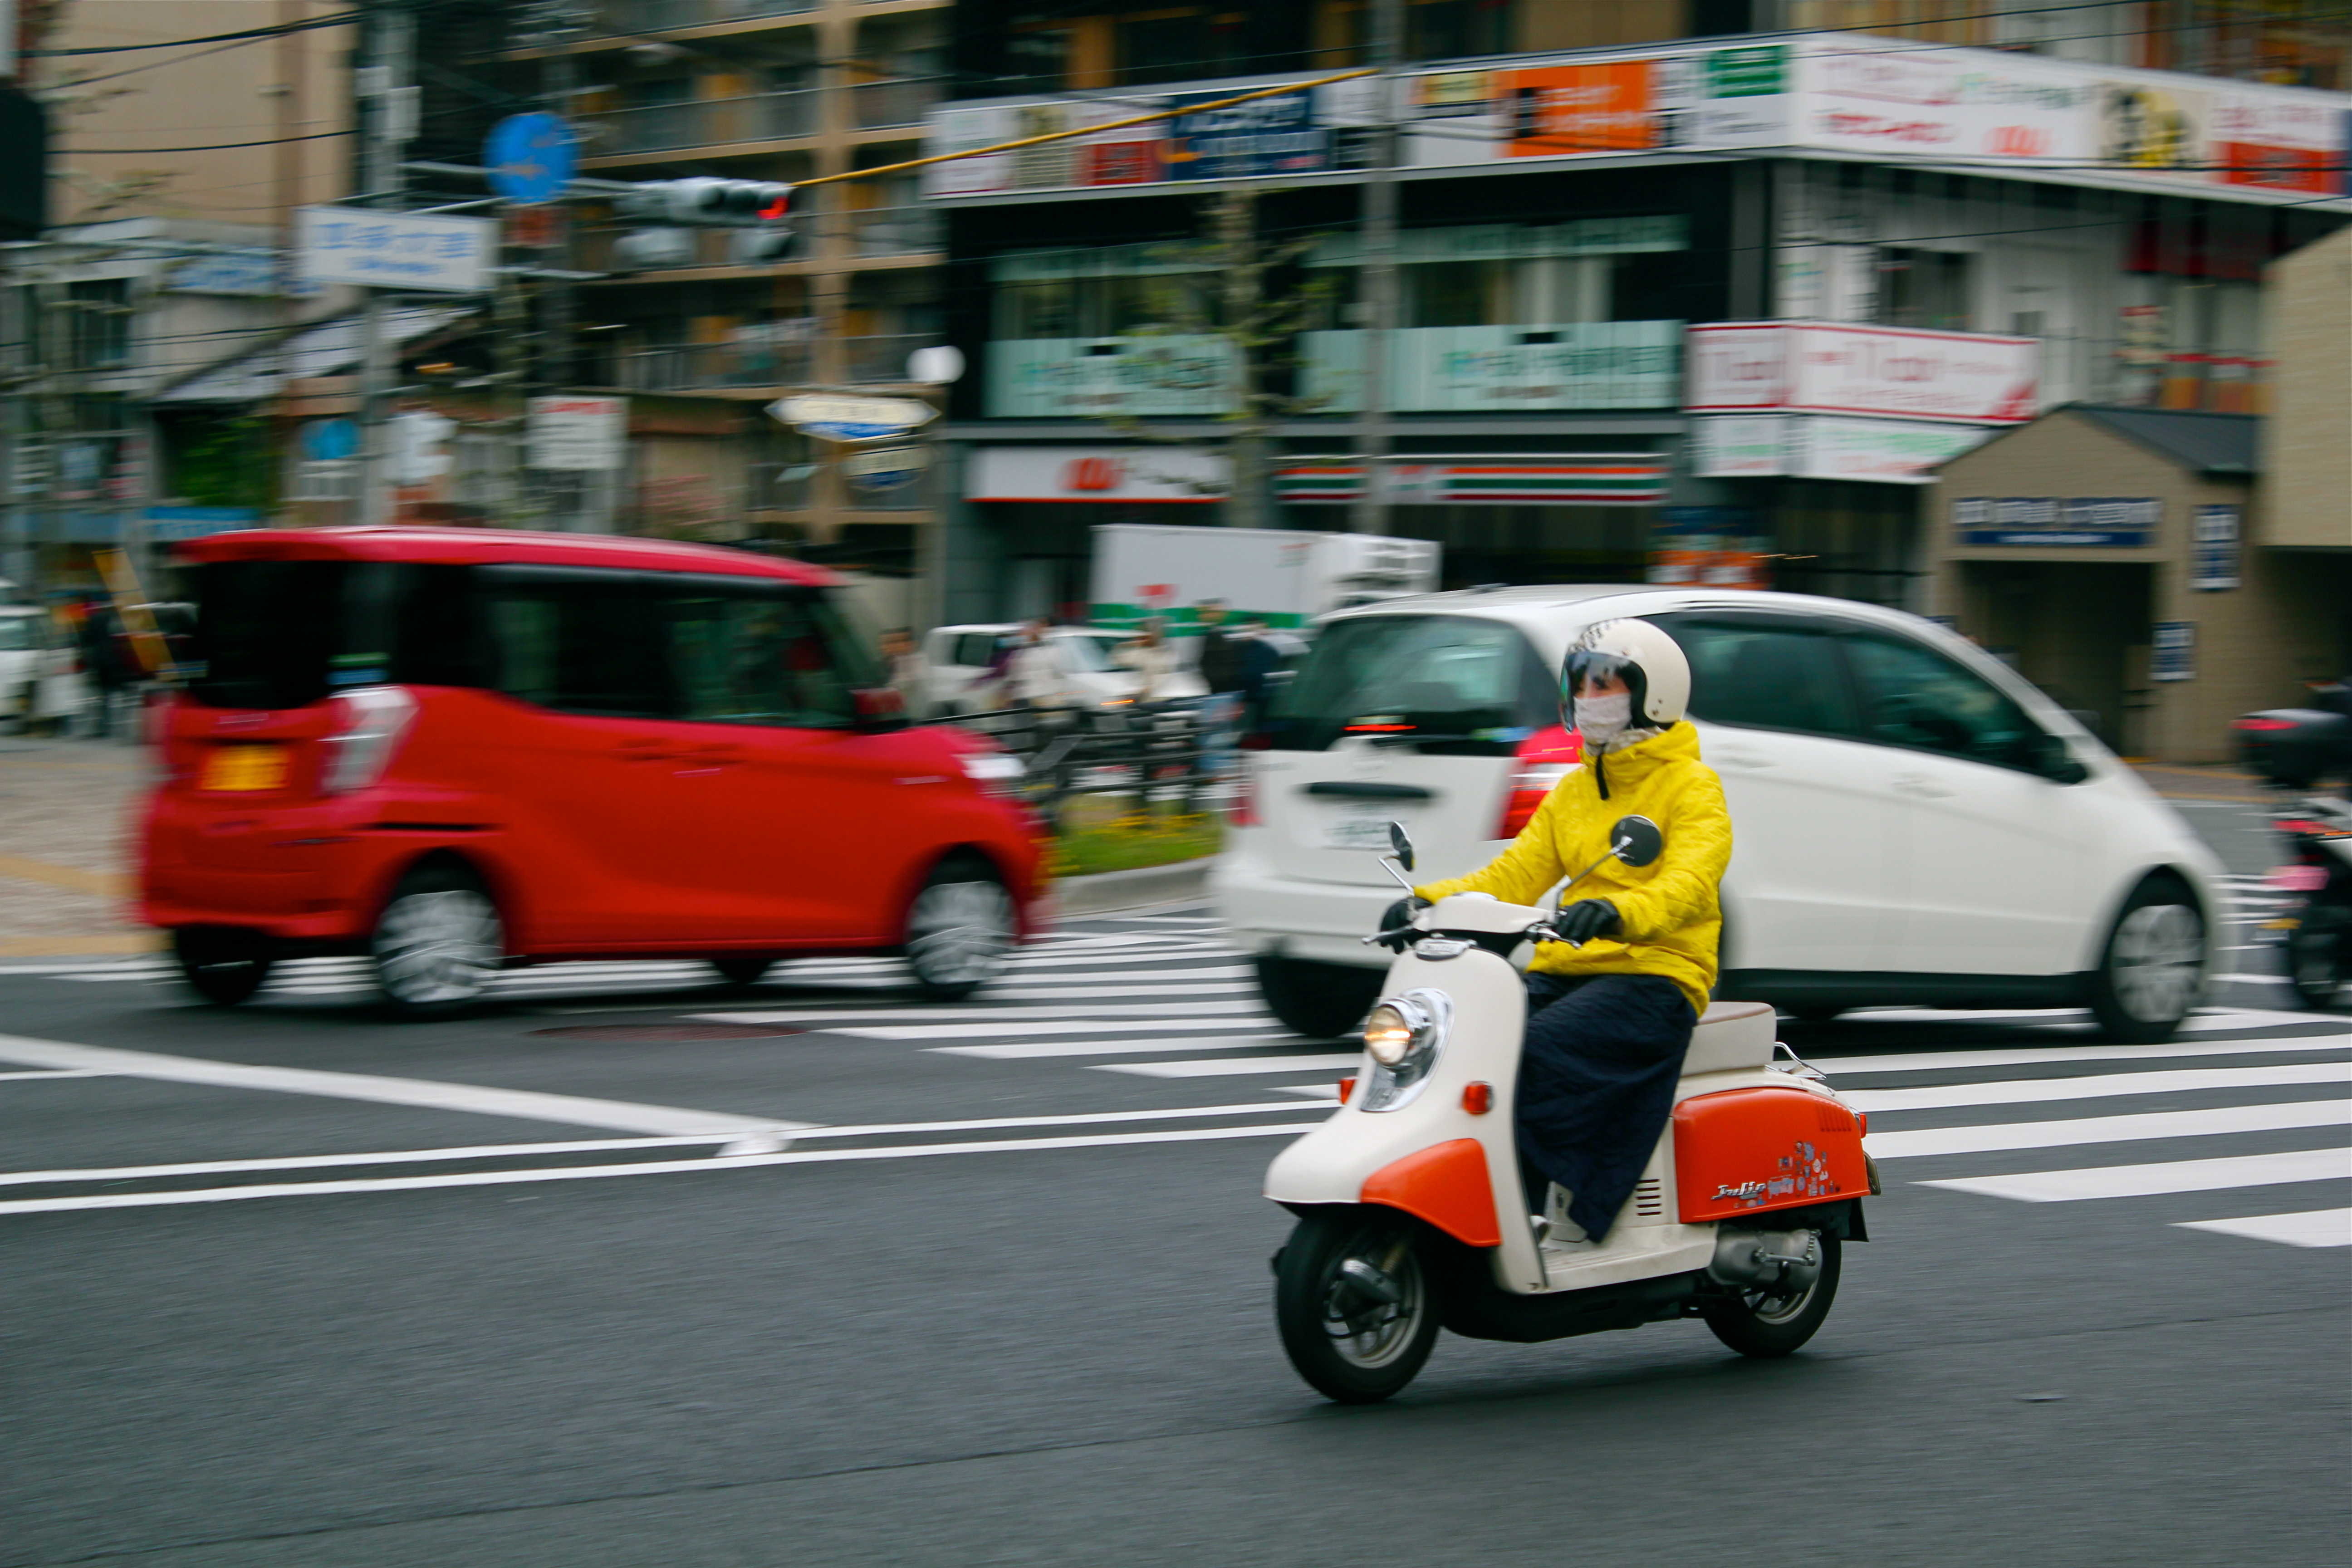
1670, 923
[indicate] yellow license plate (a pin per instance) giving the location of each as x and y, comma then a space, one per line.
245, 767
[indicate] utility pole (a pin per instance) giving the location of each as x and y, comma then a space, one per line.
1237, 241
1378, 273
390, 28
571, 494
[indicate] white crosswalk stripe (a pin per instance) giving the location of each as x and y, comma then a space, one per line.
2312, 1227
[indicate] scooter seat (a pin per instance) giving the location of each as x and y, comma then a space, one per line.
1732, 1036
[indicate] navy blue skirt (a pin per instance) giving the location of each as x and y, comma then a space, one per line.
1596, 1085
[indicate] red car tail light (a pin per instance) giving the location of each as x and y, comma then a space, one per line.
369, 724
2261, 724
1241, 811
1542, 760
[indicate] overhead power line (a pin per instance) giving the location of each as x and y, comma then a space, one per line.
336, 20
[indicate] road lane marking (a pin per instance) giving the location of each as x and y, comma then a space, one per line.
1923, 1062
606, 1145
2153, 1179
2034, 1090
1030, 1049
2077, 1017
1016, 1015
1017, 1026
1230, 1068
524, 1105
1926, 1141
639, 1168
2312, 1227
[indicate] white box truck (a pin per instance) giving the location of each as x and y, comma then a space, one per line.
1282, 576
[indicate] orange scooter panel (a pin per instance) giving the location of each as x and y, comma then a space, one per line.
1747, 1151
1446, 1185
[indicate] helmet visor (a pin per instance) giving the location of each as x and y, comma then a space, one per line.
1587, 668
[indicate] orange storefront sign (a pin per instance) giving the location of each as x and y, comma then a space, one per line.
1560, 109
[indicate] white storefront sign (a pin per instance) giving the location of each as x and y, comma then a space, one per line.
1094, 474
1883, 372
582, 434
394, 251
1826, 447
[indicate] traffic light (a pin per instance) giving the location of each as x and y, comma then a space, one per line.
709, 203
755, 208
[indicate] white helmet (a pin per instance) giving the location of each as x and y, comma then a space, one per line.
1650, 662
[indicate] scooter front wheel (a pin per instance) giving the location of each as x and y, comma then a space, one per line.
1354, 1304
1756, 1323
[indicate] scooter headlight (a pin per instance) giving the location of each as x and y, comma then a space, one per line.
1387, 1035
1403, 1036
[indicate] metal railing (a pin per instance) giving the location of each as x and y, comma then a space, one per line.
618, 17
880, 104
882, 359
1157, 756
896, 231
705, 122
688, 367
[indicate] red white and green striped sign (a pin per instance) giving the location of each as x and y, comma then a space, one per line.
1638, 481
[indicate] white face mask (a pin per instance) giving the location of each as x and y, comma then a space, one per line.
1602, 719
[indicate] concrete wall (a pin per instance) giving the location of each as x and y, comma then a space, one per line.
2253, 644
2309, 457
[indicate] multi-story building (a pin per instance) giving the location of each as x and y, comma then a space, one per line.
759, 89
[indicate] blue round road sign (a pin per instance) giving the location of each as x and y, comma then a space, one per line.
531, 157
330, 440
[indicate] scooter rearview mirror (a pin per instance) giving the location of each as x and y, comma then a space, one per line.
1400, 843
1636, 840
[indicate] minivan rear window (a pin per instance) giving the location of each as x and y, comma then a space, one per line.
283, 634
1451, 685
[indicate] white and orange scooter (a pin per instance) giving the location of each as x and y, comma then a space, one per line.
1412, 1215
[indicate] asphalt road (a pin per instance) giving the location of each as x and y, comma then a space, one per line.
482, 1326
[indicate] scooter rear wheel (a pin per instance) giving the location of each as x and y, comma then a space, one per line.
1345, 1340
1758, 1323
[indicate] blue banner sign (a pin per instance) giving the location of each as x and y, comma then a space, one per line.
2071, 522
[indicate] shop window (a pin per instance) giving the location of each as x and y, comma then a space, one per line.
100, 322
1924, 288
1452, 30
1165, 47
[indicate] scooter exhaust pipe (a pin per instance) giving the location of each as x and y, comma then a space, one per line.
1787, 1260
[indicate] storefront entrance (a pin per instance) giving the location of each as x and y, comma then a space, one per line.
2077, 630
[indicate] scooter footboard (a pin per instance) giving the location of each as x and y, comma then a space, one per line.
1751, 1151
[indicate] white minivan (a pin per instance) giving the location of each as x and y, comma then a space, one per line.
1912, 822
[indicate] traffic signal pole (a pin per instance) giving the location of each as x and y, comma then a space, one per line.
389, 31
1377, 305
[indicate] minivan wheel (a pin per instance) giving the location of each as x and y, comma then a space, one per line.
224, 967
2152, 970
959, 929
437, 945
1318, 1001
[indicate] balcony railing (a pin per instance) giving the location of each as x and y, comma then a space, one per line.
896, 231
705, 122
657, 15
878, 104
779, 487
714, 367
882, 359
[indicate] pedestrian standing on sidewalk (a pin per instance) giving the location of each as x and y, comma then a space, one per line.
1224, 671
107, 661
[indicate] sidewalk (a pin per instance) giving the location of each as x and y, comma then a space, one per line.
68, 820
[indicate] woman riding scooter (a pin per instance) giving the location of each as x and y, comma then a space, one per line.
1610, 1018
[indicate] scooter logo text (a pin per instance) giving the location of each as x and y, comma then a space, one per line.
1743, 1190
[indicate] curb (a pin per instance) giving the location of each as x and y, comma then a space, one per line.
1107, 890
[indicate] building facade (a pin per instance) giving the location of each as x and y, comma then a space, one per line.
1665, 304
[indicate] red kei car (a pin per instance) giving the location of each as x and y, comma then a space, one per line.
453, 750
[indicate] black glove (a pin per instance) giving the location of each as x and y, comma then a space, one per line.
1586, 919
1398, 914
